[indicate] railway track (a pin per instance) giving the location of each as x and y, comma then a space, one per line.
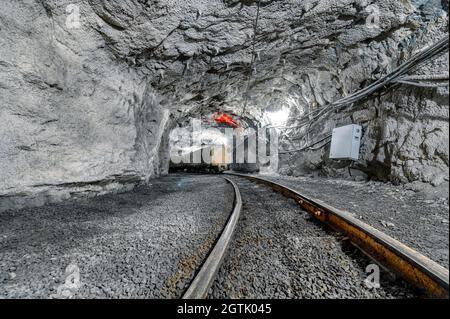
142, 244
206, 275
312, 255
270, 247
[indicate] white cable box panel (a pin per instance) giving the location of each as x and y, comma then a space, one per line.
346, 142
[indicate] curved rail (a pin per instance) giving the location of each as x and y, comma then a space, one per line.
403, 260
199, 287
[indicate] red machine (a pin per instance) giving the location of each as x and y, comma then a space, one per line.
226, 119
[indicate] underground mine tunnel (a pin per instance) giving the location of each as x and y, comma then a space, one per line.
224, 149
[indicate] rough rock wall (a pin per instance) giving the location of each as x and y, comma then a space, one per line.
74, 118
406, 128
89, 109
408, 141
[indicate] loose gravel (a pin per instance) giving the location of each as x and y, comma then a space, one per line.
415, 216
279, 251
142, 244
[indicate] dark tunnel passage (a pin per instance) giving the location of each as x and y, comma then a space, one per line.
205, 141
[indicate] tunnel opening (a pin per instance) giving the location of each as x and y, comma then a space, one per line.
95, 121
224, 141
196, 148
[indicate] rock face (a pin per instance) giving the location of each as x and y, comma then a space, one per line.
405, 128
87, 107
75, 118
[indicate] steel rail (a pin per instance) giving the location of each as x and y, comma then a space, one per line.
401, 259
203, 280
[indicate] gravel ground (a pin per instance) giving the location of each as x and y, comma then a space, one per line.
279, 251
416, 216
141, 244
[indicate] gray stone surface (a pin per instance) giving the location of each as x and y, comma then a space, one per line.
89, 110
141, 244
405, 129
279, 251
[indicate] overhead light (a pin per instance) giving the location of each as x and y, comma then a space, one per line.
277, 118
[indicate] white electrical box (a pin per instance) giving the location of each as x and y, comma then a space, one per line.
346, 142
